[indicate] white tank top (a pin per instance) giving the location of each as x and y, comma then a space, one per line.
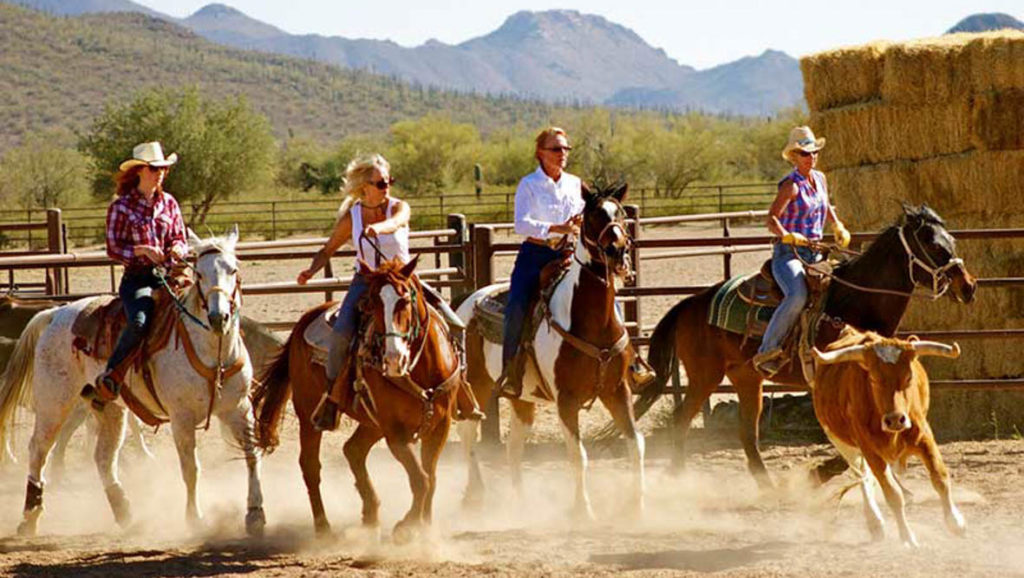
392, 245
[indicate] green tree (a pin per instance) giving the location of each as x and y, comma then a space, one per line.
507, 157
432, 153
224, 147
45, 171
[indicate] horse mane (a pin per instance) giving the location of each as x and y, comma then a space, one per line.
919, 215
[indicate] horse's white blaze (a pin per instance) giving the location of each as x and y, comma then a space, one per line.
548, 343
396, 349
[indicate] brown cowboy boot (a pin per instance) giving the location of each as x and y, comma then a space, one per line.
510, 384
106, 390
768, 363
640, 374
466, 405
327, 414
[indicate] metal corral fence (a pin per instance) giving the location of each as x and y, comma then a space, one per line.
471, 249
277, 219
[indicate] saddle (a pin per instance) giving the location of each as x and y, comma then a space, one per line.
761, 290
318, 334
489, 315
95, 332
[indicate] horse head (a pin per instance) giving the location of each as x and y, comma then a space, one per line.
217, 283
395, 300
931, 252
603, 231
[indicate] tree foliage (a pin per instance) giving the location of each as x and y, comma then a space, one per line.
224, 147
45, 171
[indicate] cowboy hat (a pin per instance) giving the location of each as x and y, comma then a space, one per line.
801, 138
151, 154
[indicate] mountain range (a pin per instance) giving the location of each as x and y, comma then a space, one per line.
558, 56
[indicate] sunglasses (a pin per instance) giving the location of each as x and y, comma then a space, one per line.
808, 154
559, 149
384, 184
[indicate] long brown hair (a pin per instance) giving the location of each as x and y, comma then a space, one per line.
127, 181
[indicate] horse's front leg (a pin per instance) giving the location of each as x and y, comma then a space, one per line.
419, 482
183, 426
239, 422
356, 449
430, 452
568, 412
619, 404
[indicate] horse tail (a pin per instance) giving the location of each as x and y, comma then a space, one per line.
13, 390
274, 387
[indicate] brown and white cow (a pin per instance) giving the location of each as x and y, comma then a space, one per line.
871, 397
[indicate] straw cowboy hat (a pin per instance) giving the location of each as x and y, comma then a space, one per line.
802, 138
149, 153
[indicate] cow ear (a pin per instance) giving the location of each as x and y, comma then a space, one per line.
409, 267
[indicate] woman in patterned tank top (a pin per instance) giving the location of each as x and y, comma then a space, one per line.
797, 216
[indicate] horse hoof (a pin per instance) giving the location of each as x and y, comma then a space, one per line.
27, 528
321, 528
473, 501
403, 533
255, 521
120, 506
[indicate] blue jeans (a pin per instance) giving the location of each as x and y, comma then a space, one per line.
789, 274
136, 292
345, 327
525, 283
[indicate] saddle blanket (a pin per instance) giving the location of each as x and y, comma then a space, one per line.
731, 313
318, 334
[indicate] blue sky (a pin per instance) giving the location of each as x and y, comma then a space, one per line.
699, 33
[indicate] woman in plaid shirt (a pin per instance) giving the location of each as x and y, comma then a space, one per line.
144, 230
797, 217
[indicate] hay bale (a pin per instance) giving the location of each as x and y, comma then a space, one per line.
997, 120
878, 133
937, 70
843, 76
868, 198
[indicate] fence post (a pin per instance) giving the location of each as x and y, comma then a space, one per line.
727, 257
54, 276
273, 220
28, 219
721, 203
457, 257
631, 309
64, 247
328, 273
483, 257
508, 206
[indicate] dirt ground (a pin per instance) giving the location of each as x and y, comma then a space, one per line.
710, 519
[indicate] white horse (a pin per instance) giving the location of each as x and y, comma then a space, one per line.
44, 355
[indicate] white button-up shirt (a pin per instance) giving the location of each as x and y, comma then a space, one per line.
541, 202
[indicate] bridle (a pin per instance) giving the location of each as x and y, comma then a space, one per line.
234, 297
596, 247
939, 274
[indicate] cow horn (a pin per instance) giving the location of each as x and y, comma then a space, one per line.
923, 348
850, 353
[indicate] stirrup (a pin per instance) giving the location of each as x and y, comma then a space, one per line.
768, 363
641, 373
325, 414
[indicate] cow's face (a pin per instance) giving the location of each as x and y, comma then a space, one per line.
891, 371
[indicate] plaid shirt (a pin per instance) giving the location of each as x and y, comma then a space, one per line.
131, 221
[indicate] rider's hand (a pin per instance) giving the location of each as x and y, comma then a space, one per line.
305, 275
371, 231
795, 239
570, 227
841, 234
179, 253
150, 252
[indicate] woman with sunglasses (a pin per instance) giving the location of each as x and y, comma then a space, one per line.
368, 211
145, 230
797, 218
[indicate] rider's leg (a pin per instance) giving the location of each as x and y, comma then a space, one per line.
789, 274
325, 416
136, 292
524, 283
640, 372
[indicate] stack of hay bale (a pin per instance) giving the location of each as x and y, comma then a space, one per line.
937, 121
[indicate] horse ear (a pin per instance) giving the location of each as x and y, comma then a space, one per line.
619, 192
588, 196
409, 267
232, 237
364, 267
193, 239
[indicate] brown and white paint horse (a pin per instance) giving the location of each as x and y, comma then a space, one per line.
418, 354
582, 306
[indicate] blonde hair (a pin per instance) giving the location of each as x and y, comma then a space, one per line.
358, 173
544, 135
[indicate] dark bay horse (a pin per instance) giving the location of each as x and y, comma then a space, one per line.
410, 394
582, 352
917, 251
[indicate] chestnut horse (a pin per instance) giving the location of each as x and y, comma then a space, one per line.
409, 394
581, 349
870, 292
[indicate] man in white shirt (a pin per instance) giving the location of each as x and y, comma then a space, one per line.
548, 205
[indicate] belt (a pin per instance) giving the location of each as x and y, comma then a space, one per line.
136, 270
549, 243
